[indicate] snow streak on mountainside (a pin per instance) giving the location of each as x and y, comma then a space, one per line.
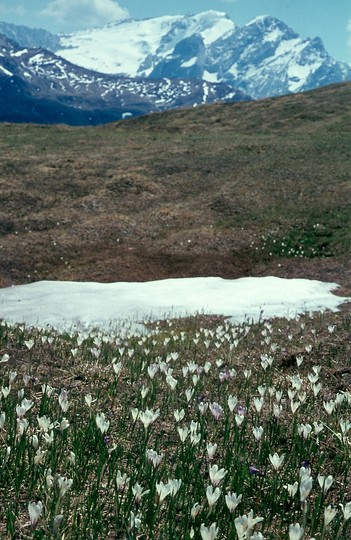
263, 58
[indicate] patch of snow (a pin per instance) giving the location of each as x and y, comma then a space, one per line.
298, 74
210, 77
234, 70
37, 59
273, 36
295, 45
206, 92
190, 62
65, 305
258, 19
6, 71
19, 53
212, 25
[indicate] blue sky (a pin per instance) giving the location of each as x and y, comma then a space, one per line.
328, 19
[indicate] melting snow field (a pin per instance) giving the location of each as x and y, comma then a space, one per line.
75, 305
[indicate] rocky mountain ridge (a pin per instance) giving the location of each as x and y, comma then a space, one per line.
263, 58
39, 86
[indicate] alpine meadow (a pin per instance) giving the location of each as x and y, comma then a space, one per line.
195, 428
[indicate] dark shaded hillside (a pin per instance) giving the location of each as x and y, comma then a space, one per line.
228, 189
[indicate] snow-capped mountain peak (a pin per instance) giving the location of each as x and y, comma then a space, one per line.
134, 47
263, 58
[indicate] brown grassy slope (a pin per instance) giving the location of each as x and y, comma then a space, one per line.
226, 189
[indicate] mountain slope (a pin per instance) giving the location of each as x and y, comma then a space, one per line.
230, 190
263, 58
38, 86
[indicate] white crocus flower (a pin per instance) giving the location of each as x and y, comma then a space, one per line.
102, 423
171, 381
39, 456
35, 441
277, 409
144, 391
64, 484
117, 366
239, 418
292, 489
5, 390
179, 415
64, 424
183, 432
4, 359
276, 460
232, 500
34, 510
72, 458
47, 389
21, 410
138, 492
212, 495
12, 376
148, 417
49, 479
63, 400
152, 370
295, 531
211, 450
174, 485
329, 406
345, 426
153, 457
121, 480
49, 438
89, 400
195, 510
134, 521
346, 510
209, 533
244, 524
44, 423
305, 430
163, 490
195, 438
325, 482
316, 389
294, 405
22, 425
258, 432
2, 420
305, 487
189, 393
135, 413
329, 515
203, 408
216, 475
258, 403
232, 402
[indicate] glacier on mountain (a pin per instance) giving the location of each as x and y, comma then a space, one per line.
263, 58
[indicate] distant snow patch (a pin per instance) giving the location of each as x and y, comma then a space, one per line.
6, 71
